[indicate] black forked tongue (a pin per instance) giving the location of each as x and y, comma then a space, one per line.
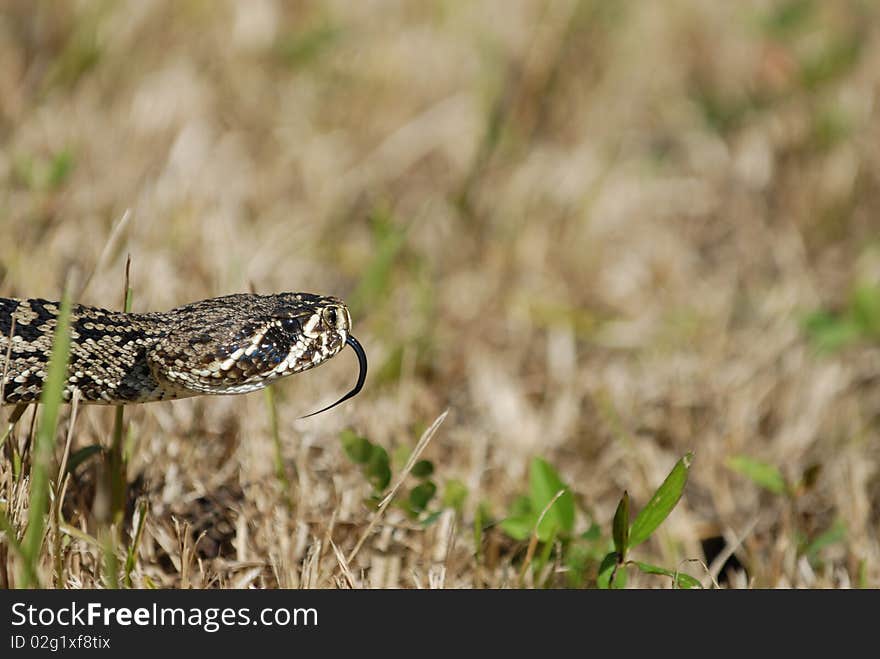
362, 375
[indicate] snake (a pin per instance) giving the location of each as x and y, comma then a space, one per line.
232, 344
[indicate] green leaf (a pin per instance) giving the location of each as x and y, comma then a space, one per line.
519, 527
577, 557
430, 519
620, 526
611, 573
682, 580
358, 449
421, 494
400, 456
301, 48
837, 533
60, 168
686, 581
389, 371
787, 18
760, 473
661, 504
593, 533
647, 568
422, 469
829, 332
520, 521
835, 60
454, 494
866, 308
544, 484
378, 469
522, 505
606, 568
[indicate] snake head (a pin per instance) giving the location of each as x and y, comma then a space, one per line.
240, 343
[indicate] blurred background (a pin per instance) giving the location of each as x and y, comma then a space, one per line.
602, 233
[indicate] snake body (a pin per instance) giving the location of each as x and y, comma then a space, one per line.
225, 345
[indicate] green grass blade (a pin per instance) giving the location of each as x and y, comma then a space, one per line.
837, 533
761, 473
661, 504
44, 446
278, 456
454, 494
612, 574
620, 526
107, 538
375, 281
118, 467
117, 473
131, 557
681, 579
544, 484
686, 581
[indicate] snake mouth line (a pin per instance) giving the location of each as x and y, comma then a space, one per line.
362, 375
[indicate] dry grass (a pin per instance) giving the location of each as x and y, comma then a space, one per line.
589, 229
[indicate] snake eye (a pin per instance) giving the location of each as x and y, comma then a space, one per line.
290, 325
331, 316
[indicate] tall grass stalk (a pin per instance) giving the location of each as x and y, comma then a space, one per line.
60, 488
117, 457
44, 446
280, 471
131, 557
118, 469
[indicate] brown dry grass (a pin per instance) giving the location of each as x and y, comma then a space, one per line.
589, 229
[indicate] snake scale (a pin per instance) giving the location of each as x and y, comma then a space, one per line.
225, 345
